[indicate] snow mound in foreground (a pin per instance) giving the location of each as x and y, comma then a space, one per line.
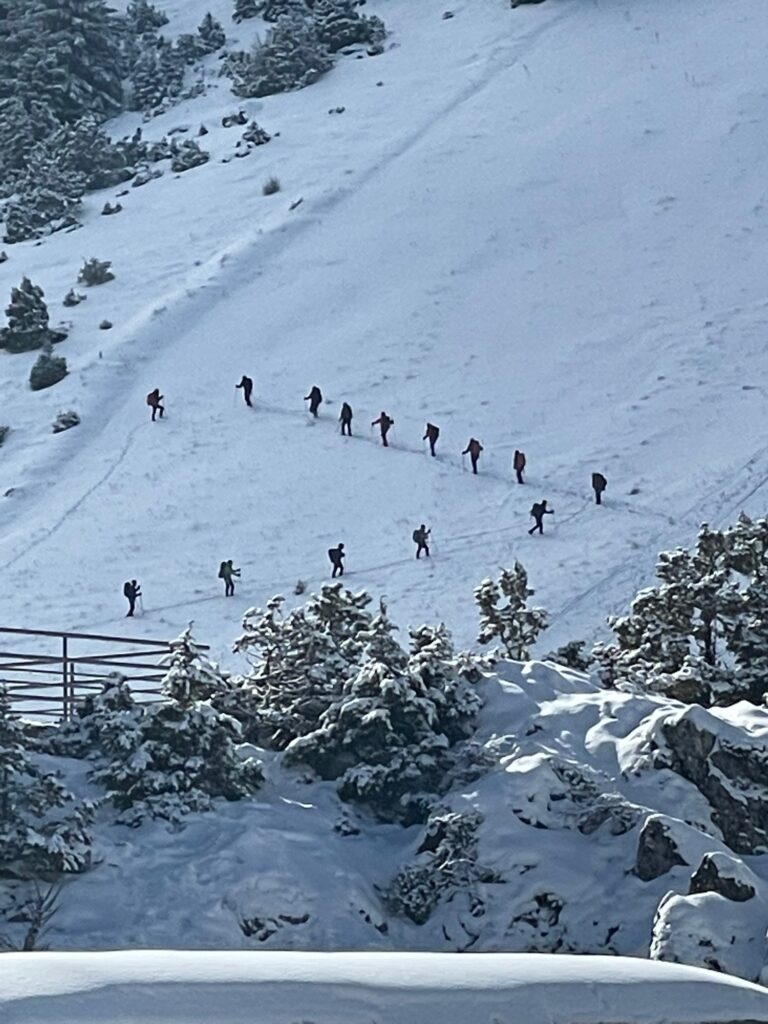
410, 988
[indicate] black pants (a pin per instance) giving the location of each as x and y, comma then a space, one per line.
346, 428
131, 607
247, 397
338, 570
474, 459
431, 447
520, 476
422, 547
313, 407
598, 497
539, 526
384, 439
229, 587
157, 409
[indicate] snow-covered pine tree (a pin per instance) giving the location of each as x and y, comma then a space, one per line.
298, 662
157, 76
211, 35
42, 830
186, 155
72, 61
85, 149
23, 124
105, 723
245, 9
340, 24
271, 10
95, 271
144, 17
47, 198
389, 736
48, 369
291, 57
27, 314
183, 752
255, 135
697, 634
514, 624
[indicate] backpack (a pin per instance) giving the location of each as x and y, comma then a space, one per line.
599, 482
535, 510
416, 536
127, 589
150, 398
223, 571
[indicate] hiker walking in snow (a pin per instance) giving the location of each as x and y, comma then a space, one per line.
345, 419
384, 422
315, 398
132, 591
421, 540
599, 483
431, 435
247, 385
538, 511
474, 448
518, 464
154, 399
336, 556
227, 573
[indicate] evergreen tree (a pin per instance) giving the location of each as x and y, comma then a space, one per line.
514, 624
95, 271
183, 752
186, 155
245, 9
339, 24
144, 17
48, 370
299, 662
23, 124
72, 59
389, 736
27, 314
699, 635
211, 35
84, 149
271, 10
291, 57
157, 77
40, 833
48, 198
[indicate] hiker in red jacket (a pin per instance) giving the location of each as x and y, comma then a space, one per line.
518, 464
384, 422
154, 398
474, 448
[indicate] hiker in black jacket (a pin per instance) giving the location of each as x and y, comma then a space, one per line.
336, 556
538, 511
421, 540
227, 573
346, 419
384, 424
599, 483
247, 385
431, 435
315, 397
132, 591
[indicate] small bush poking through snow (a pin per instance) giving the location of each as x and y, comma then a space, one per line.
47, 371
65, 420
271, 185
95, 271
4, 432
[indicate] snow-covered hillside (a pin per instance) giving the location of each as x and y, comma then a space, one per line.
541, 227
168, 987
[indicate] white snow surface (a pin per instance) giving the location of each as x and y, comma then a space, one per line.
325, 988
542, 227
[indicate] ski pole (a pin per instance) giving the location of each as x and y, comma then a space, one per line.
141, 604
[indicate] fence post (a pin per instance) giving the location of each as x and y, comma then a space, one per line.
65, 679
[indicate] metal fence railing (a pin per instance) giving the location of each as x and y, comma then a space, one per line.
57, 669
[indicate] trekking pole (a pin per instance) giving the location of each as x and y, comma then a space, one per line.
234, 396
141, 604
464, 462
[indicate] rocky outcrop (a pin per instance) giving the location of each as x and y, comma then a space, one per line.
733, 776
657, 852
724, 875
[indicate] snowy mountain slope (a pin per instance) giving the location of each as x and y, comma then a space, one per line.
139, 988
559, 246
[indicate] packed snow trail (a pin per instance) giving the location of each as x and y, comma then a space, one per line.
529, 255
